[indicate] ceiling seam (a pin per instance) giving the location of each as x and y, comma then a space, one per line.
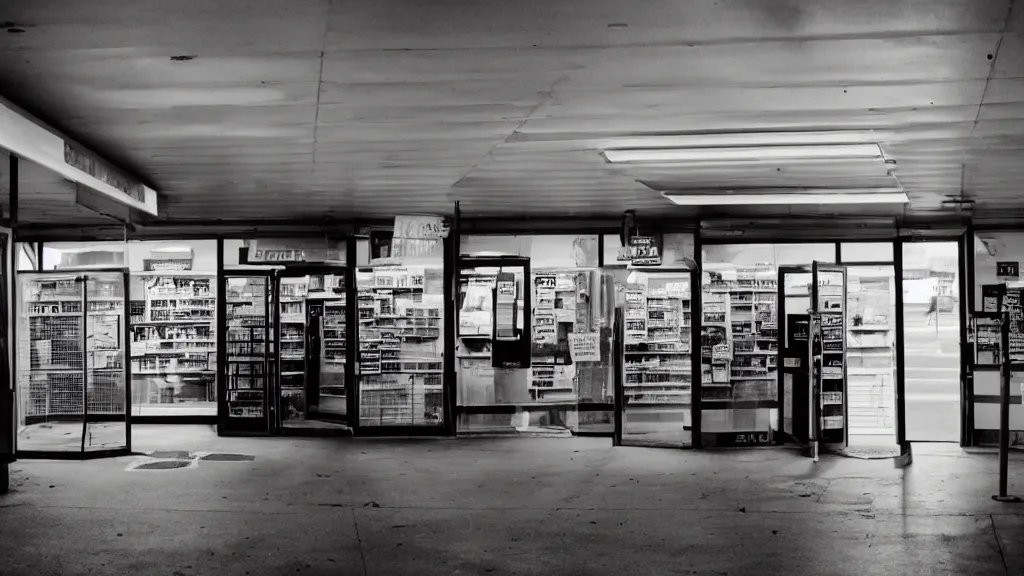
320, 80
547, 96
984, 93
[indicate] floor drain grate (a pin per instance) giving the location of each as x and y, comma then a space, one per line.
228, 458
163, 465
171, 455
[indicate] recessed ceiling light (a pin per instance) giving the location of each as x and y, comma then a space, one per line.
802, 197
744, 153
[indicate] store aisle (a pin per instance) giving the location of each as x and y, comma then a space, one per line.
506, 506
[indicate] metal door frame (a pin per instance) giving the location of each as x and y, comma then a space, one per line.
224, 420
783, 271
82, 275
618, 363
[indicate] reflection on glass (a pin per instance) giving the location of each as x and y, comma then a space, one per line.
400, 345
931, 335
871, 364
657, 384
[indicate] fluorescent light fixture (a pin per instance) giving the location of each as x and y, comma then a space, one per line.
791, 138
744, 153
804, 197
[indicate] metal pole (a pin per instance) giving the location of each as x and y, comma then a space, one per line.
1004, 413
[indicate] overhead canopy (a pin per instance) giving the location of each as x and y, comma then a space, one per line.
276, 109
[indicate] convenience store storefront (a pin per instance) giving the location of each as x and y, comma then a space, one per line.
193, 316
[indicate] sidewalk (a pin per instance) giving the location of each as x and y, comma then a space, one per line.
526, 506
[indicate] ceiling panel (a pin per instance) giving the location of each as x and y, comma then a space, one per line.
306, 108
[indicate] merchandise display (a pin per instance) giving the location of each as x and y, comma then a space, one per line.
870, 350
174, 344
249, 347
292, 348
830, 314
400, 356
658, 379
739, 346
559, 308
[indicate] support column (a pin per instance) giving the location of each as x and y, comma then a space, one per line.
8, 430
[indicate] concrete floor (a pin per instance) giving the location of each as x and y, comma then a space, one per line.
506, 506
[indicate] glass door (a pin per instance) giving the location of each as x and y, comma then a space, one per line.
654, 404
108, 425
249, 353
830, 381
72, 374
795, 309
312, 324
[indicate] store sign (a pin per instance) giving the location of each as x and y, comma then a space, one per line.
585, 347
642, 251
421, 227
259, 255
1008, 269
27, 138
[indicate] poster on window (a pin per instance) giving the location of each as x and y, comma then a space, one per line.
585, 347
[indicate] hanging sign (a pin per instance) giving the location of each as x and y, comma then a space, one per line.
1008, 269
642, 251
585, 347
421, 227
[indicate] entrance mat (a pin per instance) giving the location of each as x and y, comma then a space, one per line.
870, 452
227, 458
163, 465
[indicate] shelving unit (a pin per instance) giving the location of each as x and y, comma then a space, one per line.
739, 348
334, 338
830, 307
658, 367
400, 348
174, 345
249, 348
292, 347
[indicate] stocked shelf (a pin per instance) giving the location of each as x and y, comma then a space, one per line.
173, 348
658, 370
400, 346
70, 346
248, 346
739, 338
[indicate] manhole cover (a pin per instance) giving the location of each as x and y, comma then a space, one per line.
171, 455
228, 458
163, 465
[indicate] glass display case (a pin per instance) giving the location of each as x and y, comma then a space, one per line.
72, 375
400, 345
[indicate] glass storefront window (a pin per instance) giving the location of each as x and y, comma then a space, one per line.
401, 336
853, 252
83, 255
563, 294
173, 308
740, 338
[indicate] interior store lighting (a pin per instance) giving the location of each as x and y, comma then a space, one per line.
745, 153
712, 140
803, 197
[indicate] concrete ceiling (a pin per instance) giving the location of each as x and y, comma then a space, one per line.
275, 109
